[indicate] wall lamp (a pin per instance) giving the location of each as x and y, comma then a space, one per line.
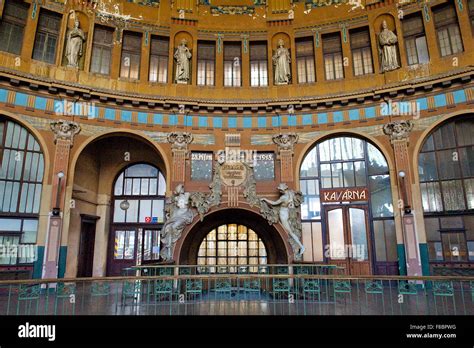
56, 209
406, 206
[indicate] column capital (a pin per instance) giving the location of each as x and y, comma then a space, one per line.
65, 130
398, 130
285, 141
180, 140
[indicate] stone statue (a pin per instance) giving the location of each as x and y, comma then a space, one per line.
388, 49
75, 40
65, 130
182, 56
287, 206
179, 214
281, 62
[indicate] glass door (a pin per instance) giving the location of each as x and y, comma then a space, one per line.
347, 238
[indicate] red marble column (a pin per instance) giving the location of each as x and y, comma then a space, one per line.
399, 132
64, 132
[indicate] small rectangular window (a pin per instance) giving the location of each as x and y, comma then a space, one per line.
201, 166
159, 59
332, 51
46, 40
206, 63
258, 64
102, 50
447, 29
361, 52
232, 64
415, 40
131, 49
12, 26
305, 60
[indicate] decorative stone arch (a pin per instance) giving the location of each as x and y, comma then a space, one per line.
273, 236
122, 132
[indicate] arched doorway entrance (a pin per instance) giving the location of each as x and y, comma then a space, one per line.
102, 237
233, 236
347, 211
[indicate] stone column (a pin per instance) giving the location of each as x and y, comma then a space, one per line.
179, 147
399, 131
285, 143
64, 132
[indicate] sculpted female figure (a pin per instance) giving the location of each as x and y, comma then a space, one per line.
182, 56
287, 212
180, 215
75, 39
281, 61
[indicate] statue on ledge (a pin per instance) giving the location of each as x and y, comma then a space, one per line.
74, 45
179, 214
388, 49
182, 56
281, 61
287, 209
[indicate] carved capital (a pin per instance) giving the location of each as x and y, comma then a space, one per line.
398, 130
285, 141
180, 140
65, 130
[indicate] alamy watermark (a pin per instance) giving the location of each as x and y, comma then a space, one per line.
400, 108
343, 251
70, 108
21, 251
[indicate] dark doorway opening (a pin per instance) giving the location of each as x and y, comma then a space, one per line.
86, 246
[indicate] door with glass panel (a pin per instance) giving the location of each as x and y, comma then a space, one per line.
150, 246
347, 238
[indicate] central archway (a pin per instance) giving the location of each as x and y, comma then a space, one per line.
276, 248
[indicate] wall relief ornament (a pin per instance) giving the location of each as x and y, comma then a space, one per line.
285, 141
180, 140
65, 130
398, 130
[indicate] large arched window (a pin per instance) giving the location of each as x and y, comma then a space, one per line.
138, 215
345, 182
232, 244
446, 172
21, 177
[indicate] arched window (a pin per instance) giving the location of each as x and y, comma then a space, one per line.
232, 244
138, 215
446, 172
347, 179
21, 177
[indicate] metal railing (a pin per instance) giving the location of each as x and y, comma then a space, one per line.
238, 294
